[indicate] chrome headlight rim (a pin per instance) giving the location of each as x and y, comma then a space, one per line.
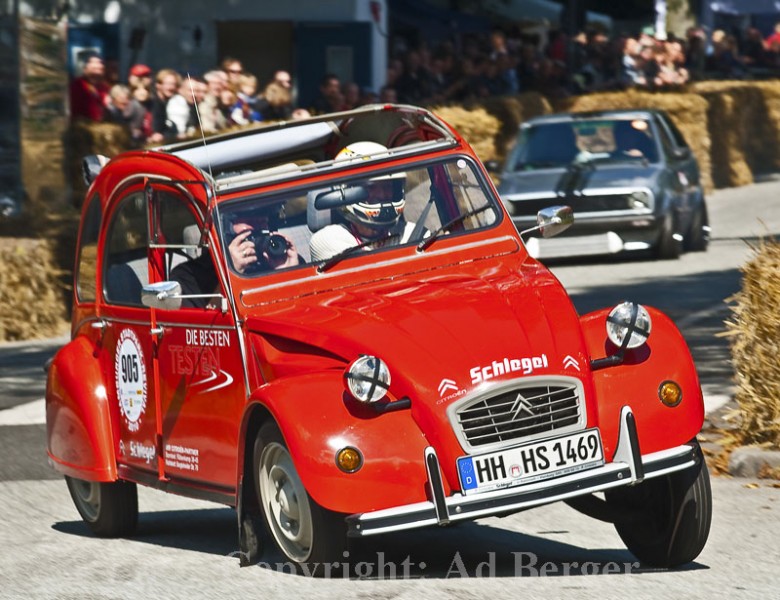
367, 378
629, 325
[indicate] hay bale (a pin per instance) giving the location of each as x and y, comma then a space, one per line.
511, 111
765, 141
32, 291
754, 335
476, 126
734, 116
87, 137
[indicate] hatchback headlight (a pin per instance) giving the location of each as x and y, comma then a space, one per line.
368, 378
640, 199
629, 325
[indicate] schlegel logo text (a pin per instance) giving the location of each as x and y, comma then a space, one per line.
507, 365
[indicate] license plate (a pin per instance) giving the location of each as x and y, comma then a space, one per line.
531, 462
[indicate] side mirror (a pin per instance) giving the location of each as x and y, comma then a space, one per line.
683, 153
91, 166
492, 166
552, 220
165, 295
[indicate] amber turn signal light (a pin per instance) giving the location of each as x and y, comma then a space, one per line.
349, 459
670, 393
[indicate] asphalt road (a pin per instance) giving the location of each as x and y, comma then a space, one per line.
183, 548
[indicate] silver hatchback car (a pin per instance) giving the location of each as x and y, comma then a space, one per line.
629, 175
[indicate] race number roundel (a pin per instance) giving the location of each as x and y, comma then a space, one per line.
130, 378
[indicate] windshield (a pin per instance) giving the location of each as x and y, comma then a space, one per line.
380, 210
554, 145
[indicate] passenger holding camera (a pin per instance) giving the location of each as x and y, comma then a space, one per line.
255, 248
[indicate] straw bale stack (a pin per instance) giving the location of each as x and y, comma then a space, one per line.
754, 335
511, 111
737, 123
476, 126
86, 137
31, 293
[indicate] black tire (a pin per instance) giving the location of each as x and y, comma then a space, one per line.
667, 247
677, 511
306, 533
109, 509
698, 237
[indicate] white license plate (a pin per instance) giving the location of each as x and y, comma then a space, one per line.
531, 462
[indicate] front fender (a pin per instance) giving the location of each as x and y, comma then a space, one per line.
635, 383
317, 418
80, 439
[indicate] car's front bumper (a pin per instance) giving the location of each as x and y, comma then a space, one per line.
596, 234
628, 467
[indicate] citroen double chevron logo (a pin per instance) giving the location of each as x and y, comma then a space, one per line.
521, 405
570, 362
447, 385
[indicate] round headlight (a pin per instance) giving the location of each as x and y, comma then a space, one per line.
640, 199
628, 325
368, 378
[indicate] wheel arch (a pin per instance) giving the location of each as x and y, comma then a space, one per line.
642, 373
315, 420
80, 428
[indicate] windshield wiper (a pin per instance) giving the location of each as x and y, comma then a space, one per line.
421, 247
338, 257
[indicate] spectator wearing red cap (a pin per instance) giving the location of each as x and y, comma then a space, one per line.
140, 76
89, 92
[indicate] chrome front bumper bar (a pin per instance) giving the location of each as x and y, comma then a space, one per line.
628, 467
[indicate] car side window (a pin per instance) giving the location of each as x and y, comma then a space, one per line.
676, 134
125, 255
666, 139
174, 225
176, 233
86, 274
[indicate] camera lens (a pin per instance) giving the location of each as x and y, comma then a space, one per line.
276, 246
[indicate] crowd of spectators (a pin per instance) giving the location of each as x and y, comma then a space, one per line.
558, 65
164, 106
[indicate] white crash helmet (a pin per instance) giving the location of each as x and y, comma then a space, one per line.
376, 214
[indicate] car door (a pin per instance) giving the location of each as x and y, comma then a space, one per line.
126, 348
200, 372
684, 174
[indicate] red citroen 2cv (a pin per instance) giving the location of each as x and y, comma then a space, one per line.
333, 326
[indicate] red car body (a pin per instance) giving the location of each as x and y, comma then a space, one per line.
185, 399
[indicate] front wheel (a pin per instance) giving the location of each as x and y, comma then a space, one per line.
305, 532
698, 236
676, 513
109, 509
668, 247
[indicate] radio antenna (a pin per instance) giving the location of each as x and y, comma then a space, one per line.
212, 200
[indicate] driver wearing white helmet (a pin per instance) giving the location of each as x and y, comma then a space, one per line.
374, 222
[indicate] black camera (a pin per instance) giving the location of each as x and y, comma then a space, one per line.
273, 245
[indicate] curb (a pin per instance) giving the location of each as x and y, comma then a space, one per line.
753, 462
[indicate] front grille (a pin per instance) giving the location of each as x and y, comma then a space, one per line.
580, 204
520, 412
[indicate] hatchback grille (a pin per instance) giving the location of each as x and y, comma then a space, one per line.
520, 412
580, 204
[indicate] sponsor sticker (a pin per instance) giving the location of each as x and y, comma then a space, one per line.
504, 366
130, 373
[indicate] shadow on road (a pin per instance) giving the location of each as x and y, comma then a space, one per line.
465, 550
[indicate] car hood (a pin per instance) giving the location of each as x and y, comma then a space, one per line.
603, 176
443, 335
